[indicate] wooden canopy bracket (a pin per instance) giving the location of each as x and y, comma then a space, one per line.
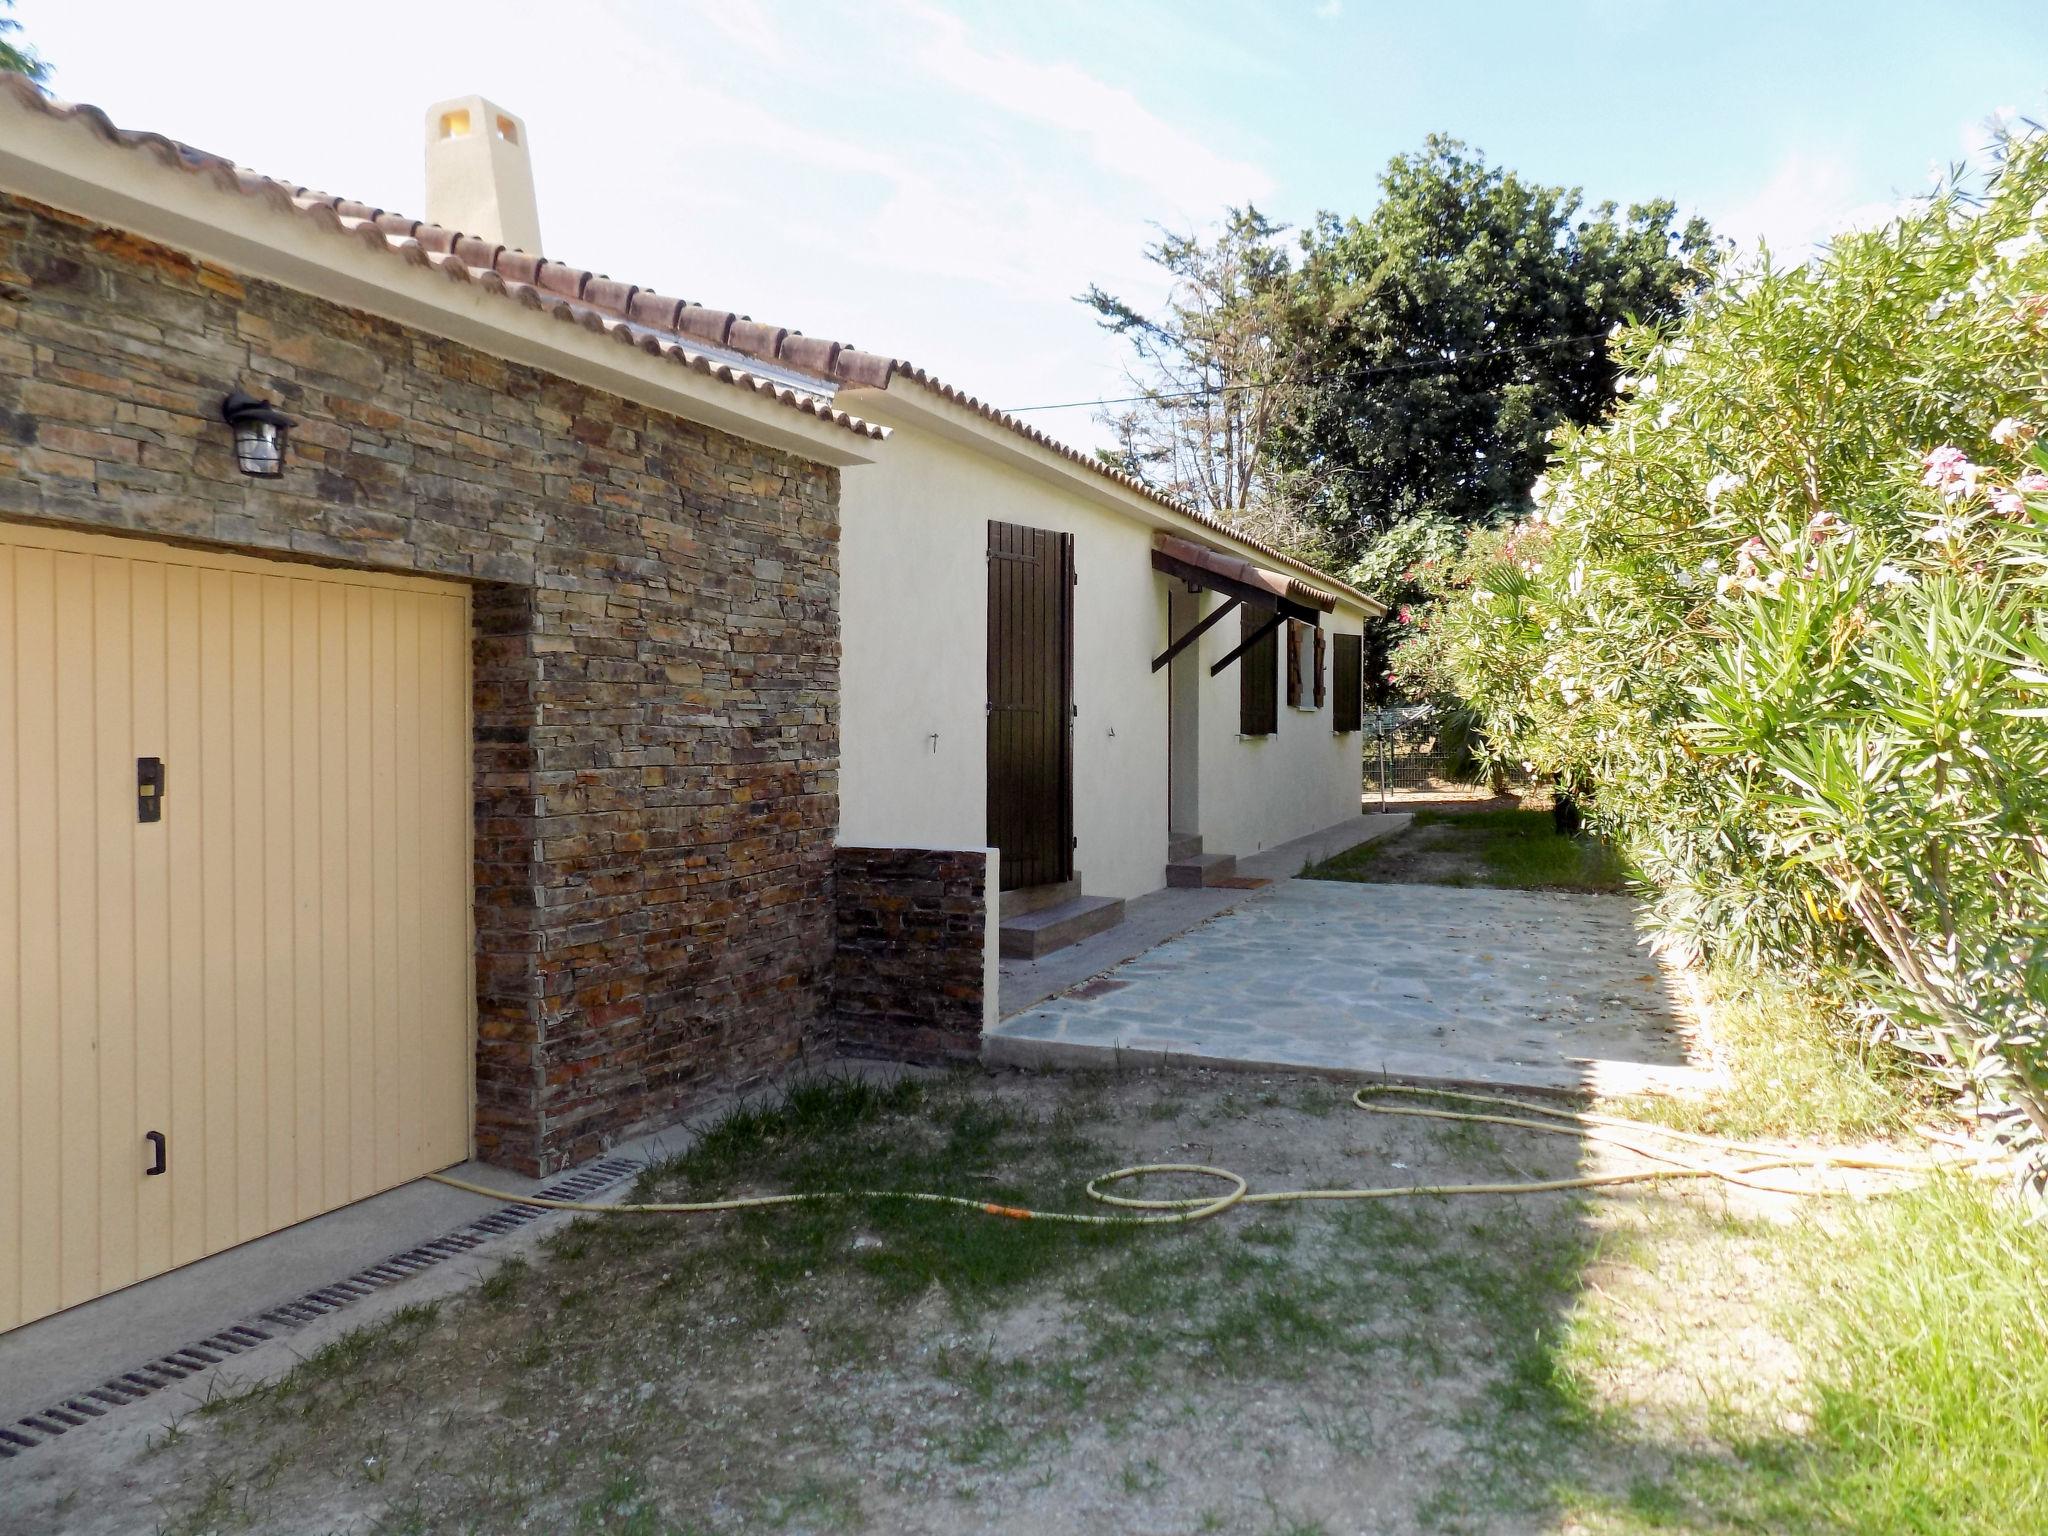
1192, 635
1249, 641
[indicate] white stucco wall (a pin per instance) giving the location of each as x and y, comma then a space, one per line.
1259, 791
914, 624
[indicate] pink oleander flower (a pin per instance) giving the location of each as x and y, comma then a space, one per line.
2032, 483
1824, 525
1748, 553
1950, 471
1401, 614
2011, 430
2008, 503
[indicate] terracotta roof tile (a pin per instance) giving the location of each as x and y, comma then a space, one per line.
553, 287
870, 371
607, 294
518, 266
601, 304
568, 281
756, 339
809, 354
712, 325
653, 309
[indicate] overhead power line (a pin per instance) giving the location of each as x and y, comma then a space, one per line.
1420, 365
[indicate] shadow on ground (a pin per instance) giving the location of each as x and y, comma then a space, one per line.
1400, 1366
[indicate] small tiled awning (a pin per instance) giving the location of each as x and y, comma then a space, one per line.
1241, 582
1212, 568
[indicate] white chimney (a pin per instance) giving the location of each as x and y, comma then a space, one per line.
479, 174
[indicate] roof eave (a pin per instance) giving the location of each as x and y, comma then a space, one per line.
917, 404
64, 163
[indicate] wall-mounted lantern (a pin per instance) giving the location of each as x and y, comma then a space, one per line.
259, 433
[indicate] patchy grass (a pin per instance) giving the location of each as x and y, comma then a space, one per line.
1927, 1321
1511, 849
887, 1366
1623, 1362
1918, 1401
1793, 1068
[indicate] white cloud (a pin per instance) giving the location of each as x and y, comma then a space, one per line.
1123, 137
1811, 195
1330, 10
887, 176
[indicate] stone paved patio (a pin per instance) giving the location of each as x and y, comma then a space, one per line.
1424, 983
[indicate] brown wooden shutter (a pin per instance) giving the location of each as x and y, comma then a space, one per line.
1349, 681
1292, 630
1258, 699
1321, 692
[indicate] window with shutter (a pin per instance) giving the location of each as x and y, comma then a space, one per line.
1348, 668
1258, 693
1294, 628
1321, 692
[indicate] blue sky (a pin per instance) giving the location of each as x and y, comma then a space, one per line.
938, 178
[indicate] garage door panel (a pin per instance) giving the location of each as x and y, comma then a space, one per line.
238, 835
404, 801
383, 795
185, 919
276, 974
12, 1085
280, 957
75, 892
111, 770
152, 922
335, 1002
213, 799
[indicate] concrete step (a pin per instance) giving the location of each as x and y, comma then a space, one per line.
1040, 933
1182, 845
1202, 869
1036, 898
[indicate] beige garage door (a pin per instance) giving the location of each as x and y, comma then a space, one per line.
271, 981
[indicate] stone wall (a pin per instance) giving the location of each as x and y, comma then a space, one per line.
907, 981
656, 646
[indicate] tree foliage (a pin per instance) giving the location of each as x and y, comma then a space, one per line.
1785, 616
1209, 370
18, 58
1441, 338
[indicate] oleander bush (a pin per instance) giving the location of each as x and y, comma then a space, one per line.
1782, 624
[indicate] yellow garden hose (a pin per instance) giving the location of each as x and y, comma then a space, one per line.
1180, 1211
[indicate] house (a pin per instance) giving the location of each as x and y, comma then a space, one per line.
1047, 659
454, 703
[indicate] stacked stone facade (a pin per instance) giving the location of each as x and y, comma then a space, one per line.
655, 649
907, 982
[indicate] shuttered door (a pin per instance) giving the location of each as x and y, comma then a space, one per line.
1030, 703
275, 976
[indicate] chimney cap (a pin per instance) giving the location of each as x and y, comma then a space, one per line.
480, 173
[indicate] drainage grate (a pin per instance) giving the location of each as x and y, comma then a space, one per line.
32, 1430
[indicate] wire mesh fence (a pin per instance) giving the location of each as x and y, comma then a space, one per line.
1413, 752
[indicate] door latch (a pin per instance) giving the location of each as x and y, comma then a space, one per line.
156, 1141
149, 789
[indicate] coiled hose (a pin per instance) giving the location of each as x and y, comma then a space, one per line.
1150, 1211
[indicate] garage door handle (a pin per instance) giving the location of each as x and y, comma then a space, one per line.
149, 789
156, 1140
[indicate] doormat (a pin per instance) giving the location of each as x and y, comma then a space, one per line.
118, 1391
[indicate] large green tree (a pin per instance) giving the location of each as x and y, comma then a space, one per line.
17, 58
1444, 336
1208, 371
